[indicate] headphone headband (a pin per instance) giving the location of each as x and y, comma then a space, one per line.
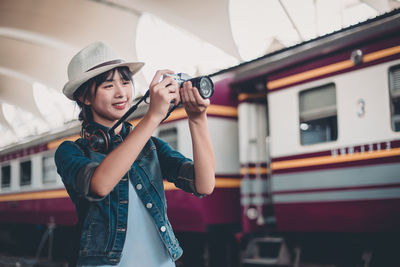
100, 140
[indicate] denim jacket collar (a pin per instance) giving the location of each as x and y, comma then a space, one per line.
126, 128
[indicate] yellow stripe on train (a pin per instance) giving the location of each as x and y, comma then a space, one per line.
62, 193
254, 170
297, 163
342, 65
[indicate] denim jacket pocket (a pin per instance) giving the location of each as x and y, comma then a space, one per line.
96, 233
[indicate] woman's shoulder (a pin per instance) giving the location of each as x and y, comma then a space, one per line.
69, 148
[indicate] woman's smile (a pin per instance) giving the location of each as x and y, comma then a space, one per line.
120, 105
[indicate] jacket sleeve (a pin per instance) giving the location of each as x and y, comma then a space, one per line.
76, 171
176, 168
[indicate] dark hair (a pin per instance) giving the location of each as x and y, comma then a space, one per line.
84, 91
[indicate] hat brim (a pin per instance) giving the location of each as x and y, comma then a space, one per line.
71, 86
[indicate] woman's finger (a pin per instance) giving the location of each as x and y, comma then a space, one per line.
185, 97
159, 74
199, 100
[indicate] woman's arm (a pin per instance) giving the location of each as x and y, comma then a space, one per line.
118, 162
203, 154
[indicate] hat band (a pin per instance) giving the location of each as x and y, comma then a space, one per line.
117, 61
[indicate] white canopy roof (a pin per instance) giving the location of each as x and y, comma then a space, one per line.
39, 37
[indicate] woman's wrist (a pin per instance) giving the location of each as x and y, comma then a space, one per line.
198, 118
152, 119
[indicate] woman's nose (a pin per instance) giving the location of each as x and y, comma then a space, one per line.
120, 90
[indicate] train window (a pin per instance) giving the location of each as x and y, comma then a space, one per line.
169, 135
6, 176
25, 172
394, 86
318, 115
49, 170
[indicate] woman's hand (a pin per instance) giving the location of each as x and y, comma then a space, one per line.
194, 104
163, 91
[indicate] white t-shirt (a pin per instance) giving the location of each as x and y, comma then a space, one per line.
143, 245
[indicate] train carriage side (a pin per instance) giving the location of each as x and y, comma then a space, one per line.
33, 197
335, 144
328, 178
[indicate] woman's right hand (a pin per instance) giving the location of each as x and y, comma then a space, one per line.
163, 90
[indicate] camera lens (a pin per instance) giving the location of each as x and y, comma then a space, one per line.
204, 85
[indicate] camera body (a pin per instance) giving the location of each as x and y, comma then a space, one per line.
204, 84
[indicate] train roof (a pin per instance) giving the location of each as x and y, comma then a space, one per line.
373, 28
69, 129
387, 23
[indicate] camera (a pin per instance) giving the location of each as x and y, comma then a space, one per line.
203, 83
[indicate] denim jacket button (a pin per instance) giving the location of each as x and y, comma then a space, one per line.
163, 228
139, 186
149, 205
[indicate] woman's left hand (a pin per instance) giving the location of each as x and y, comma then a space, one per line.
194, 104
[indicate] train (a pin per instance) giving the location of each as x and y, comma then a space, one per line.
307, 149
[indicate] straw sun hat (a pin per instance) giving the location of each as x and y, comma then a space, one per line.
92, 61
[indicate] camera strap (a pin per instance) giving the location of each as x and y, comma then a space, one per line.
170, 111
134, 107
129, 112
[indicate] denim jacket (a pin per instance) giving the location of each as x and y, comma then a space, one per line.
102, 221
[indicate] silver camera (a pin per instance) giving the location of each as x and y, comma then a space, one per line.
204, 84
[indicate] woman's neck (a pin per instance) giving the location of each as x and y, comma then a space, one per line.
110, 125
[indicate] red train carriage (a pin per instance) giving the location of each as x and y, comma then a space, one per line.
33, 193
325, 161
307, 144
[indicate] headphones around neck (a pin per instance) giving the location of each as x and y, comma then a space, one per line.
98, 139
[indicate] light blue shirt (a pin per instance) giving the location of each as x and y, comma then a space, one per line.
143, 245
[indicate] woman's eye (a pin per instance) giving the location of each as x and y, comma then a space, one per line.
126, 83
108, 86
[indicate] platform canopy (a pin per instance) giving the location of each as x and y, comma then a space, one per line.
39, 37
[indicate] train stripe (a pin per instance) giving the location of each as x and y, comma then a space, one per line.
329, 69
212, 111
219, 183
323, 160
54, 144
254, 170
178, 114
62, 193
345, 195
245, 97
370, 147
343, 188
58, 193
367, 176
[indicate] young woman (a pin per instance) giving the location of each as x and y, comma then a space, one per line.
116, 179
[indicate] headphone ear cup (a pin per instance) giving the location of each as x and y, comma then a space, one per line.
98, 141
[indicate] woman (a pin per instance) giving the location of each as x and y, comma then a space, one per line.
115, 179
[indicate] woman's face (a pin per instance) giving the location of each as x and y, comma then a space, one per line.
112, 99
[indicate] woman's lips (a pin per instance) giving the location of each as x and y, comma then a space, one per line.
120, 105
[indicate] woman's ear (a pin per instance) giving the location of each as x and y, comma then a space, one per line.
84, 100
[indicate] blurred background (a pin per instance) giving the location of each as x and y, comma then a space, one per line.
305, 123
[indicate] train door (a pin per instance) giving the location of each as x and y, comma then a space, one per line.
255, 192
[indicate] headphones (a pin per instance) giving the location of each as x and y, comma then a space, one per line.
100, 140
